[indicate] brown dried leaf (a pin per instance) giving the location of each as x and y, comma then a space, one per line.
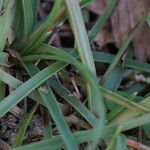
124, 18
97, 7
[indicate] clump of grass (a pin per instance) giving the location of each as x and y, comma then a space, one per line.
28, 48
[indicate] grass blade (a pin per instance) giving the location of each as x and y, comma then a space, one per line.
51, 103
39, 35
63, 92
102, 20
26, 88
54, 109
28, 17
81, 38
107, 94
5, 21
112, 143
4, 59
85, 136
23, 127
35, 8
123, 48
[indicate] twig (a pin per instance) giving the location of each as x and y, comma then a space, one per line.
137, 145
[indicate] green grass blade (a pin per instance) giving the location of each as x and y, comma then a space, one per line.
85, 136
112, 143
52, 105
4, 59
62, 91
123, 48
27, 17
132, 113
35, 8
102, 20
26, 88
46, 123
84, 3
130, 63
59, 54
9, 79
108, 94
23, 127
121, 142
5, 21
15, 83
18, 23
123, 101
112, 83
81, 38
72, 100
54, 109
104, 58
39, 35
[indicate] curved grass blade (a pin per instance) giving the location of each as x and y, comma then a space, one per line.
61, 55
107, 94
26, 88
85, 136
98, 106
62, 91
83, 46
23, 127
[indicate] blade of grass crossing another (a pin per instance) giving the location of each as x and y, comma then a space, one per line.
26, 88
62, 91
107, 94
72, 100
54, 109
123, 48
83, 45
85, 136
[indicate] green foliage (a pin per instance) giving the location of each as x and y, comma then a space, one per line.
127, 111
